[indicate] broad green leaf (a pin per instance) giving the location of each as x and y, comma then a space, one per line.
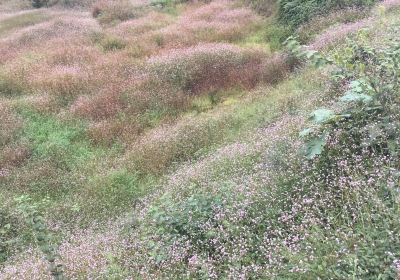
351, 96
321, 115
356, 86
315, 146
310, 54
305, 132
392, 146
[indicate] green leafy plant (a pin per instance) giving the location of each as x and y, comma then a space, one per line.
296, 12
301, 52
39, 3
369, 104
31, 212
8, 234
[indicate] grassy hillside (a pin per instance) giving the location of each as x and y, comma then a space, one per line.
192, 140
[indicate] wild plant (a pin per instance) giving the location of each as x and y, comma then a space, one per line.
39, 3
370, 103
31, 211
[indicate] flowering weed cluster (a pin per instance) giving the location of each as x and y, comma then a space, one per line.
160, 141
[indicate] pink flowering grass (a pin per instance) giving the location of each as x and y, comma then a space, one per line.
337, 33
320, 24
152, 21
206, 67
172, 78
390, 4
217, 21
84, 253
99, 129
158, 149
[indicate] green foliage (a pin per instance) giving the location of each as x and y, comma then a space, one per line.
31, 212
372, 75
184, 218
161, 3
276, 34
39, 3
59, 153
63, 143
366, 127
316, 143
18, 21
118, 188
8, 234
296, 12
300, 52
114, 270
321, 116
361, 133
108, 42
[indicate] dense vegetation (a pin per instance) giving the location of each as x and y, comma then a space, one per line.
296, 12
253, 139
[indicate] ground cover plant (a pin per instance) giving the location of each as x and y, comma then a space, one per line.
199, 139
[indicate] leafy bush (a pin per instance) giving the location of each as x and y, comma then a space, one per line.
31, 211
370, 101
8, 234
276, 34
39, 3
354, 149
185, 218
296, 12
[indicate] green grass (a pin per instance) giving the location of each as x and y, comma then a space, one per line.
60, 156
10, 24
63, 142
256, 39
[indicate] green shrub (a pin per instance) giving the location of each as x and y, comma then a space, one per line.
118, 188
108, 42
31, 211
8, 234
297, 12
39, 3
276, 34
349, 147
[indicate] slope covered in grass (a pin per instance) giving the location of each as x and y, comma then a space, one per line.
150, 140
